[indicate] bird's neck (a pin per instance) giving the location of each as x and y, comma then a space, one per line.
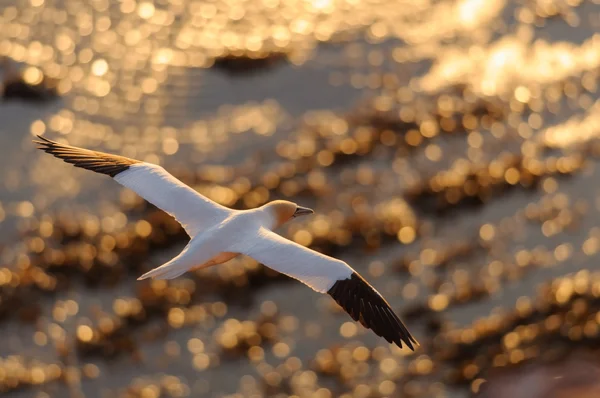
267, 217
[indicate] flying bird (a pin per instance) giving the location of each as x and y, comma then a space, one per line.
219, 234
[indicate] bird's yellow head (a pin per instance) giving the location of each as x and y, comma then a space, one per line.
284, 210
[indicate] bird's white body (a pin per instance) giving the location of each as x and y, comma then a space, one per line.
219, 234
216, 244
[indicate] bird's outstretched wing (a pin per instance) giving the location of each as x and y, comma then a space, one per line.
152, 182
334, 277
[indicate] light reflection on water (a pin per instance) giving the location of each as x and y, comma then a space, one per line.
394, 119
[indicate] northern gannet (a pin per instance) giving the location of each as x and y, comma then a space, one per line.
219, 234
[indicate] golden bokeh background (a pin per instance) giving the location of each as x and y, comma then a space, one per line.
448, 147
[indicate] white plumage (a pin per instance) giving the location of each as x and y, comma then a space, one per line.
312, 268
219, 234
192, 210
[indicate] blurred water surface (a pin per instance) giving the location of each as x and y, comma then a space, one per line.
449, 149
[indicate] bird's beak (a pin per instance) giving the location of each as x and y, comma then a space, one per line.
302, 211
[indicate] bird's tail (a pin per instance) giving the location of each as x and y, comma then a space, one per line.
169, 270
163, 273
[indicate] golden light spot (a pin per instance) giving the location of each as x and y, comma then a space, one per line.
256, 353
146, 10
33, 75
475, 139
303, 237
433, 152
176, 317
59, 313
91, 371
500, 360
219, 309
550, 185
229, 340
325, 158
149, 85
512, 176
170, 146
524, 305
406, 235
85, 333
476, 385
470, 371
487, 232
535, 121
143, 228
273, 378
410, 290
348, 146
591, 329
40, 338
37, 128
99, 67
516, 356
428, 256
163, 56
348, 330
201, 361
511, 340
150, 391
563, 252
429, 129
365, 176
413, 138
438, 302
37, 375
388, 366
470, 12
108, 243
281, 350
102, 88
268, 308
361, 354
321, 4
523, 258
195, 346
522, 94
387, 388
468, 336
424, 365
25, 209
564, 291
590, 246
289, 323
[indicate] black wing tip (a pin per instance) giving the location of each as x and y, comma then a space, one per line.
409, 341
99, 162
43, 140
353, 292
47, 144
